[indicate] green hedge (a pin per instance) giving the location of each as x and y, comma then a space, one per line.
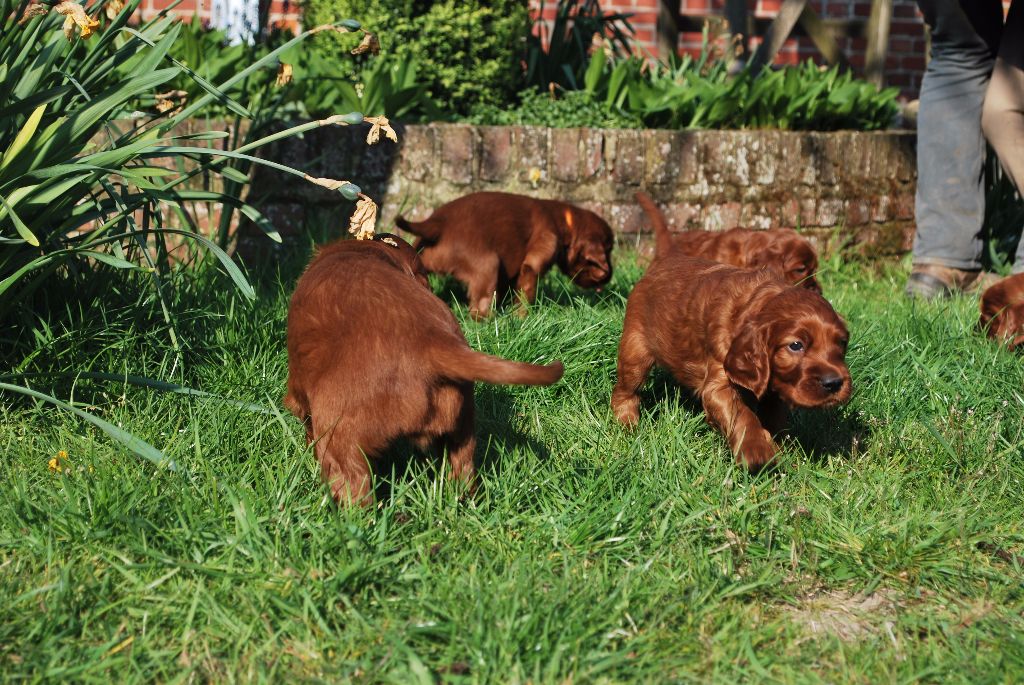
468, 51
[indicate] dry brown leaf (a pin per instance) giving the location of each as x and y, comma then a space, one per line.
364, 219
329, 183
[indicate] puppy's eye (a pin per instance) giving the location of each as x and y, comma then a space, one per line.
796, 346
844, 342
800, 269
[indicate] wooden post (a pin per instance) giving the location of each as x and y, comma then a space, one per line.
778, 32
878, 41
823, 38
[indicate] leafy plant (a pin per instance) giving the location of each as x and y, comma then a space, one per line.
570, 109
81, 193
560, 56
700, 93
467, 51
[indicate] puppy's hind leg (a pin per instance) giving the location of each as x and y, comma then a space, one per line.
343, 464
634, 363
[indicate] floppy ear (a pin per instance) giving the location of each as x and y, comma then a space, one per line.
747, 364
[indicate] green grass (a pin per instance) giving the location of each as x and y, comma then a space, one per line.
590, 554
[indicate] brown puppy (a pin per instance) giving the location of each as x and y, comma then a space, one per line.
779, 248
746, 343
492, 242
374, 356
1002, 311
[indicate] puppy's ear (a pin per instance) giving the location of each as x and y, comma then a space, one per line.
747, 363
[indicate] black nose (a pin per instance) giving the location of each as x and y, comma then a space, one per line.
832, 383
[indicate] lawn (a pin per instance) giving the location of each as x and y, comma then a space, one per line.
884, 550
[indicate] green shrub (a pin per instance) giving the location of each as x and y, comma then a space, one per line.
571, 109
468, 50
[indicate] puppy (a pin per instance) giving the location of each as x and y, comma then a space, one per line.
374, 356
493, 242
781, 248
1002, 311
746, 343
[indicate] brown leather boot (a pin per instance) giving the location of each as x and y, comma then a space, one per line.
931, 281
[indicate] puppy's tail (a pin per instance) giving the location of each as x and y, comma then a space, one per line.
469, 365
428, 229
662, 237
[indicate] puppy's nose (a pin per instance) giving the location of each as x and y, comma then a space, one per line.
832, 382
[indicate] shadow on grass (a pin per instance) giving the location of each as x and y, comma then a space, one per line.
496, 437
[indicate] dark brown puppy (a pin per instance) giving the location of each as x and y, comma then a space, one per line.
375, 356
1002, 311
492, 242
747, 344
779, 248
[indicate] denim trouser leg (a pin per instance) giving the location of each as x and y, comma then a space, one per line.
950, 203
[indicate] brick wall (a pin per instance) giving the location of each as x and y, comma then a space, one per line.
905, 60
837, 187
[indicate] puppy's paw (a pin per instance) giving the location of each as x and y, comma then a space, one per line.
757, 452
627, 410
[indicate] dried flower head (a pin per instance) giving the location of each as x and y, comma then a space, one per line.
379, 124
33, 10
284, 75
171, 100
364, 219
112, 8
76, 15
369, 44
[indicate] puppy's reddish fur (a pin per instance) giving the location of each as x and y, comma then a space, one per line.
780, 248
725, 333
1002, 311
375, 356
493, 242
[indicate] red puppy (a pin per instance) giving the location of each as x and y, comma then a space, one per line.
1002, 311
375, 356
779, 248
492, 242
746, 343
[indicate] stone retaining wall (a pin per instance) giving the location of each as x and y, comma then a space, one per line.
856, 188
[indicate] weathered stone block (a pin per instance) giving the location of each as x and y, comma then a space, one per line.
593, 152
904, 206
829, 212
496, 151
457, 143
565, 154
858, 212
682, 216
627, 218
417, 160
881, 208
669, 157
625, 156
721, 217
531, 145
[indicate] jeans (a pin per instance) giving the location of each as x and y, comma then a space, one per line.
973, 89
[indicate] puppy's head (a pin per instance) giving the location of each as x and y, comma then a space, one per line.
403, 254
795, 258
1002, 311
794, 345
588, 258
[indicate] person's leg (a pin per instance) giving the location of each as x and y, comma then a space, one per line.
950, 201
1002, 118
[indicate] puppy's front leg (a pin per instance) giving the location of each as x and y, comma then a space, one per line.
540, 252
751, 444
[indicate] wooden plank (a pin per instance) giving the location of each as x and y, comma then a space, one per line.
667, 29
823, 38
878, 41
778, 32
